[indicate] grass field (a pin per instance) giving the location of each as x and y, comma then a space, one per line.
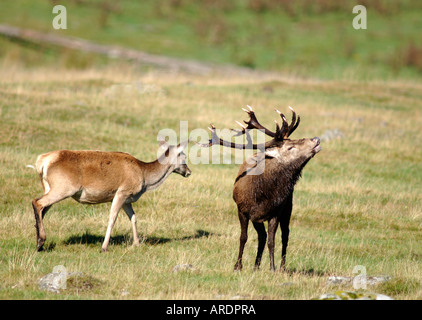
303, 37
358, 202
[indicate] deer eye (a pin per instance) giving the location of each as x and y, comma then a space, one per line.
290, 148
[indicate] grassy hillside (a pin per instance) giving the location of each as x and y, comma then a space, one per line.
358, 202
306, 38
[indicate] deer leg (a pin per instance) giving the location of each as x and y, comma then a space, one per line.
127, 207
244, 222
262, 239
284, 225
41, 236
284, 240
272, 229
116, 205
39, 225
41, 206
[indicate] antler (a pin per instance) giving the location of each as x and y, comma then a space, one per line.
286, 130
217, 140
254, 124
280, 134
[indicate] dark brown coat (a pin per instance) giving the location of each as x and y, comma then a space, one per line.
268, 196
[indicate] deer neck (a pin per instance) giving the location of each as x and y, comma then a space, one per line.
156, 173
287, 174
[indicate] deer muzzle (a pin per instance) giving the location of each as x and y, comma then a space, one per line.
317, 148
188, 173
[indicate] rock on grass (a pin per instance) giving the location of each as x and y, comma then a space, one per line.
352, 295
58, 282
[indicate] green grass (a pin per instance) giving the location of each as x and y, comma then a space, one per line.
358, 202
305, 38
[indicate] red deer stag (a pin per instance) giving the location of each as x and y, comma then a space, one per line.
268, 196
92, 177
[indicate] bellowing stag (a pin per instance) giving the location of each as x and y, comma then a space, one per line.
268, 196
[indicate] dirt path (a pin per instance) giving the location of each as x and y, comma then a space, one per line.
28, 36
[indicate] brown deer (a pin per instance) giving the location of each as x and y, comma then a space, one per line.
268, 196
92, 177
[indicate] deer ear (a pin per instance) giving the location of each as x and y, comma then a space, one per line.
182, 146
271, 152
162, 142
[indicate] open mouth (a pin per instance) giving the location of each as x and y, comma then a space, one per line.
317, 146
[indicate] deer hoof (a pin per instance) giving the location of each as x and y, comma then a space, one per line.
237, 268
40, 244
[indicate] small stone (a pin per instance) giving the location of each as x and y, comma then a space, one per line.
238, 297
331, 135
380, 296
370, 280
328, 296
377, 280
353, 295
184, 267
56, 281
73, 281
338, 280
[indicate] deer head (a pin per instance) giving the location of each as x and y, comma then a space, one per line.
174, 156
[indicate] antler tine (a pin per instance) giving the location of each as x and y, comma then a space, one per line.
240, 124
281, 115
209, 144
248, 111
293, 118
282, 133
287, 129
277, 127
294, 124
253, 122
239, 132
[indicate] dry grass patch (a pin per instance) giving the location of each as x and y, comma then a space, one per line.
358, 202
